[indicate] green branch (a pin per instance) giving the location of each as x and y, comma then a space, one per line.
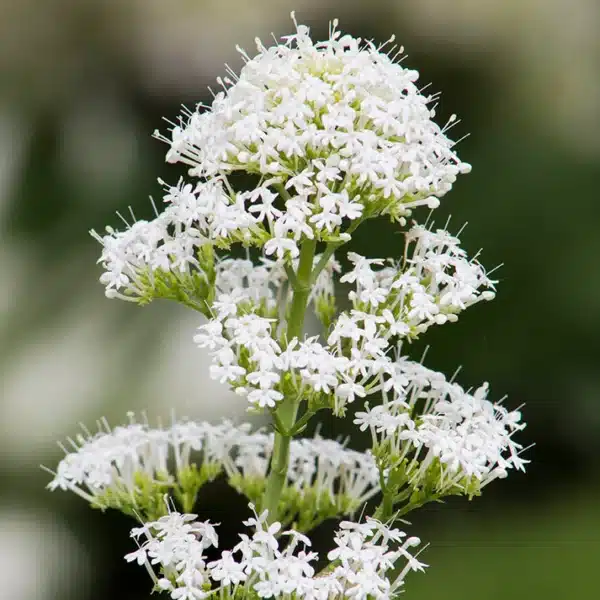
285, 416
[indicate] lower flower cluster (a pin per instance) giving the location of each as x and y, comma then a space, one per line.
324, 479
132, 467
370, 560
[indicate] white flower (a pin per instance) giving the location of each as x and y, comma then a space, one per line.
226, 570
111, 459
366, 555
331, 117
280, 244
264, 398
263, 200
210, 336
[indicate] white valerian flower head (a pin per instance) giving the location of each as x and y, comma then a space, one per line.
365, 560
131, 467
321, 113
368, 556
112, 460
337, 131
173, 247
435, 283
440, 436
176, 543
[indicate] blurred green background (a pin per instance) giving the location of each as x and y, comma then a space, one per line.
82, 86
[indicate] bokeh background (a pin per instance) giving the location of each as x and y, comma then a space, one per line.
82, 86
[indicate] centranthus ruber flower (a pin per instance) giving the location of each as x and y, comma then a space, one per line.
272, 563
131, 467
326, 135
336, 131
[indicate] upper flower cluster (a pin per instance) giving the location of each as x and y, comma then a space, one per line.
317, 116
260, 565
336, 132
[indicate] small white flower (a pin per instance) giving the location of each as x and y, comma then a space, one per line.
264, 398
280, 244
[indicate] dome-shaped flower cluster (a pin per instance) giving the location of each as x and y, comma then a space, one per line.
263, 565
336, 131
334, 114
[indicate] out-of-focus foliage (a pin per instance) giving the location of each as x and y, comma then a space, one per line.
82, 86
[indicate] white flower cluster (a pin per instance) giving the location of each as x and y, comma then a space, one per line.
169, 244
364, 560
246, 356
264, 286
336, 131
113, 460
438, 433
434, 284
174, 244
324, 478
334, 114
122, 460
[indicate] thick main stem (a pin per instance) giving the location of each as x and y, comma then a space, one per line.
288, 407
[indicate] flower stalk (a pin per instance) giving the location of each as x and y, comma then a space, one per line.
287, 411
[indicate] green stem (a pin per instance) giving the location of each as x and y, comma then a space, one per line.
332, 247
288, 407
301, 290
386, 508
300, 423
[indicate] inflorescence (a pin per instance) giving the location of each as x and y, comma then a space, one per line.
330, 135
